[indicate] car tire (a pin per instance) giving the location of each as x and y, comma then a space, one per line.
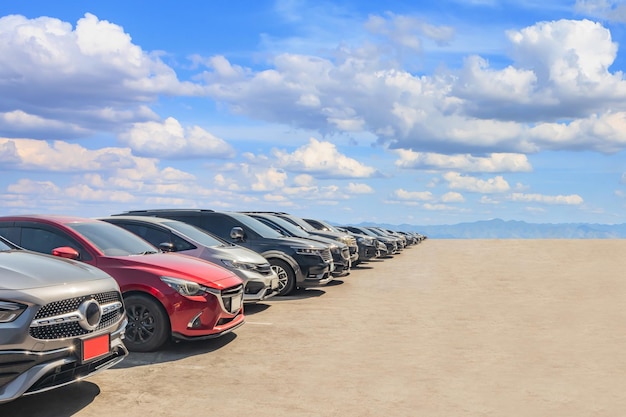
148, 325
286, 276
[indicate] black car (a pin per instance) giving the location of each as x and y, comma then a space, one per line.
368, 245
298, 263
390, 243
339, 250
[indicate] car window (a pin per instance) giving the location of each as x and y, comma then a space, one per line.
113, 240
201, 236
4, 246
45, 240
156, 235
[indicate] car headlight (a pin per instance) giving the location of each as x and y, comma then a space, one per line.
239, 265
9, 311
367, 241
184, 287
307, 251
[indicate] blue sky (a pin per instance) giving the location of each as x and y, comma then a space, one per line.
356, 111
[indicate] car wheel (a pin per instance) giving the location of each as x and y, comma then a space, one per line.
286, 276
148, 326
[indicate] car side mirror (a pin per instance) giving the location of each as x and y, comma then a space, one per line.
236, 233
66, 252
167, 247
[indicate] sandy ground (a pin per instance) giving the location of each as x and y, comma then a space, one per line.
448, 328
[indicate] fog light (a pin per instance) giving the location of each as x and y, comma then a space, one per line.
195, 322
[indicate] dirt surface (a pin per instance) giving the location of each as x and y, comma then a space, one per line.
447, 328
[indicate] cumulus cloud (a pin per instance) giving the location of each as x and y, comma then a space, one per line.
168, 139
77, 79
475, 185
323, 160
354, 188
496, 162
560, 74
572, 200
402, 194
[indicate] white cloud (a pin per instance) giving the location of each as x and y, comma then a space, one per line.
77, 79
269, 179
452, 197
355, 188
466, 183
322, 160
170, 140
402, 194
572, 199
496, 162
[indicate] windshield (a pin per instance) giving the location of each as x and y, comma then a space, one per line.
113, 240
4, 246
299, 222
328, 226
196, 234
290, 227
260, 228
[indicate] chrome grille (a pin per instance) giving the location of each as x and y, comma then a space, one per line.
326, 255
345, 253
232, 298
72, 329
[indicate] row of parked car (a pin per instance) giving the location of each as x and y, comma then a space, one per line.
77, 294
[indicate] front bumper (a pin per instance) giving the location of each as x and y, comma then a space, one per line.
26, 372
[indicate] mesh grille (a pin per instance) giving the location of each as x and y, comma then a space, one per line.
73, 329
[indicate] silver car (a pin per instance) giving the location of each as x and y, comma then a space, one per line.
261, 282
60, 321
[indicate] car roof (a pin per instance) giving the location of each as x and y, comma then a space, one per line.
52, 218
145, 219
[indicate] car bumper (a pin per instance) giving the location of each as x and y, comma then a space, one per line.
37, 371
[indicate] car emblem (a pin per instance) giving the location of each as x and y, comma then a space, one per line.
90, 314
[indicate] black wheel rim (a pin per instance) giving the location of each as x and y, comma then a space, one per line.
141, 324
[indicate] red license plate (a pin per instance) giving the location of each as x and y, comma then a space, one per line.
96, 346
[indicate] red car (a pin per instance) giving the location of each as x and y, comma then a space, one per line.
166, 294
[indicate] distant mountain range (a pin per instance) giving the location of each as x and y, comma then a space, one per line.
511, 229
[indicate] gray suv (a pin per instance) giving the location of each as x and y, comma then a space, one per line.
260, 280
60, 321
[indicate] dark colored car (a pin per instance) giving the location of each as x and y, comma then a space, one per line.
260, 281
298, 263
341, 237
390, 243
368, 245
60, 321
166, 294
339, 251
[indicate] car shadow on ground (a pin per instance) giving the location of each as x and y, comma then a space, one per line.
176, 350
81, 393
254, 308
299, 294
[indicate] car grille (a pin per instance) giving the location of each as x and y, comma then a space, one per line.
326, 255
232, 298
345, 253
72, 328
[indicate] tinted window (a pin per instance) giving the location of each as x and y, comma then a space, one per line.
195, 233
112, 240
44, 240
156, 235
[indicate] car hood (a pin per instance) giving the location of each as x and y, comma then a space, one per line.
236, 253
175, 265
21, 270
